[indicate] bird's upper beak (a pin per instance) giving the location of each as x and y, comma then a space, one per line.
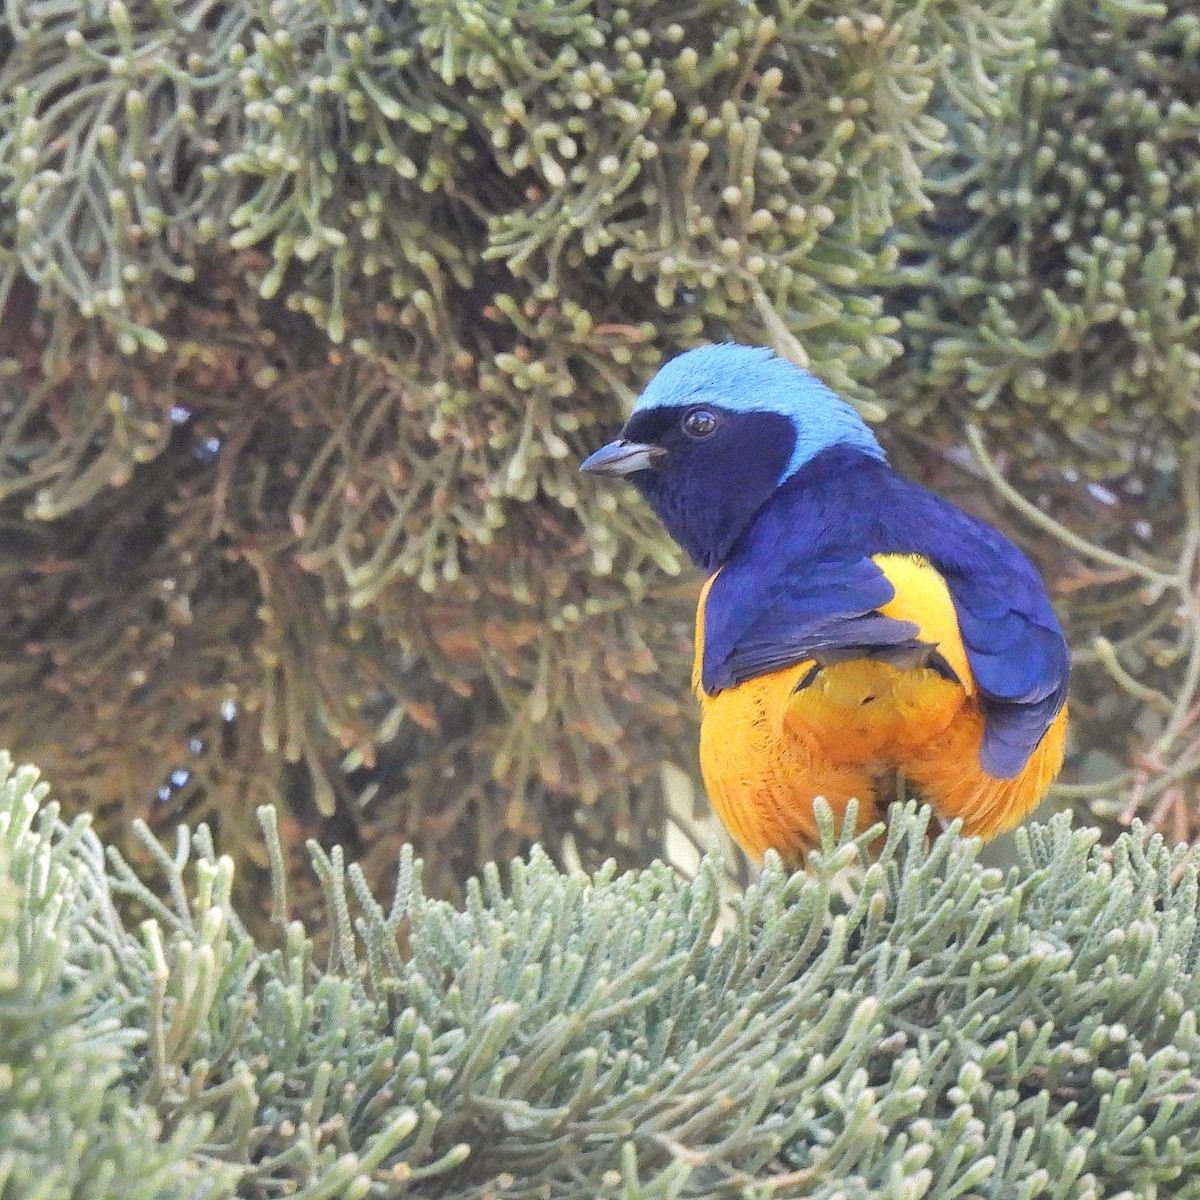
622, 457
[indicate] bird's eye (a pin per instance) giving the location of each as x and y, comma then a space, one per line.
699, 422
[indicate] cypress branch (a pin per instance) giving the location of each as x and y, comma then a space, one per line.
911, 1025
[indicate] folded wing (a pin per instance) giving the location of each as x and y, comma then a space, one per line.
760, 619
828, 611
1018, 655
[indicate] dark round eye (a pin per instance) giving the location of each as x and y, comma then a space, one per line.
699, 422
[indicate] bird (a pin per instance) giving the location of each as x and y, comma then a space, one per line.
853, 627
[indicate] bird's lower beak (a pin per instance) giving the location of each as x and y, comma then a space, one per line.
622, 458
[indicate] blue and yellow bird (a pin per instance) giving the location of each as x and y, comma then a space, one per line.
854, 625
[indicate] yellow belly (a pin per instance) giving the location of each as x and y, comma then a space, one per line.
768, 748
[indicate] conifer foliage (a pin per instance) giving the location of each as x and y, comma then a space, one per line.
915, 1027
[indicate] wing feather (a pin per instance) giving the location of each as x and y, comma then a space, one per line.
1016, 649
811, 610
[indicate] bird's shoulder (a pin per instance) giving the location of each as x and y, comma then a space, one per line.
847, 506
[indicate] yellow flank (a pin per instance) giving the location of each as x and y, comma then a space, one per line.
767, 750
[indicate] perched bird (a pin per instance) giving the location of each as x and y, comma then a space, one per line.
854, 625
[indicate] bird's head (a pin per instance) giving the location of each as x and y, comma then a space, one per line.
716, 431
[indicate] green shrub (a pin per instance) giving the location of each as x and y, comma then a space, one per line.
916, 1026
70, 1028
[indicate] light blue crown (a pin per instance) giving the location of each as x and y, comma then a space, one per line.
746, 379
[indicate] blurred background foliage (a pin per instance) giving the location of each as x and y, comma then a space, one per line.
310, 310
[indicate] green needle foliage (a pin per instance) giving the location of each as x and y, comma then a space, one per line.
905, 1027
70, 1128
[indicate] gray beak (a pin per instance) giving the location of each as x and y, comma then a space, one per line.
622, 458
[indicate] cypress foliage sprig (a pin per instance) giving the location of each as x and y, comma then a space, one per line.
909, 1024
71, 1028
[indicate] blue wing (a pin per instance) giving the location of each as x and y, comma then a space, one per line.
1017, 653
803, 611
